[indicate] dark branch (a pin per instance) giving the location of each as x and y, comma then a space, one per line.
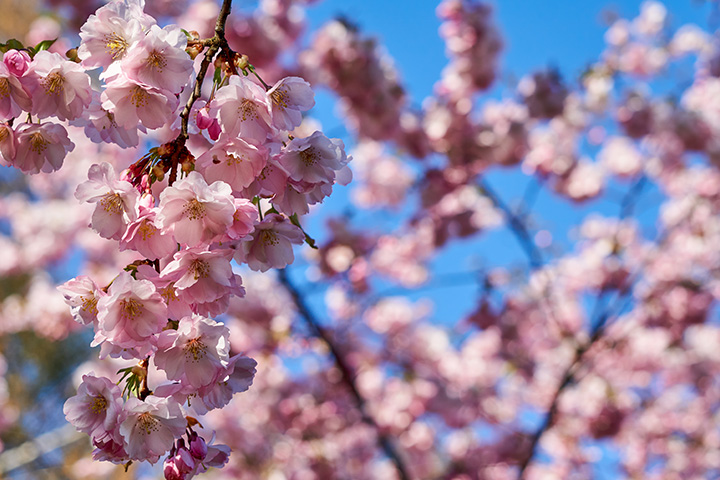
627, 206
386, 443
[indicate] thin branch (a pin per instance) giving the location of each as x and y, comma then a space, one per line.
597, 330
516, 226
386, 442
213, 44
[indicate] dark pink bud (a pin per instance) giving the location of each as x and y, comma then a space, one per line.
16, 62
198, 447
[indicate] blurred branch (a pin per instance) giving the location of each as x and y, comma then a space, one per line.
34, 449
386, 442
627, 206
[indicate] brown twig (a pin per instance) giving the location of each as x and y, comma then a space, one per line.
386, 442
214, 44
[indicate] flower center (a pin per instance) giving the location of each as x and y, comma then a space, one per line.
147, 423
139, 97
280, 98
38, 143
156, 60
194, 210
53, 83
146, 230
115, 45
195, 348
130, 308
4, 87
99, 404
112, 203
89, 304
200, 269
270, 238
308, 156
247, 110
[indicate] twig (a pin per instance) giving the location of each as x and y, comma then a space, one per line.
213, 44
597, 329
386, 443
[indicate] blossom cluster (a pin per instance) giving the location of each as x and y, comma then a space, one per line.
227, 183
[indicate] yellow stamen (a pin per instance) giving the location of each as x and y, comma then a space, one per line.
54, 83
194, 210
115, 45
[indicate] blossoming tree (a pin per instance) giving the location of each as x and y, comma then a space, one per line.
172, 166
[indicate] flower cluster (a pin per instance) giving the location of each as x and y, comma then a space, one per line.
230, 186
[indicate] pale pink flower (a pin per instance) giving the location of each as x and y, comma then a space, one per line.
116, 201
132, 102
17, 62
290, 97
82, 295
200, 276
314, 159
195, 353
100, 126
244, 218
195, 212
14, 99
243, 109
131, 313
97, 409
271, 244
159, 59
8, 145
177, 307
107, 35
58, 87
237, 377
143, 236
236, 162
41, 148
151, 427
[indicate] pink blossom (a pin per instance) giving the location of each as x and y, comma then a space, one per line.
97, 409
41, 148
236, 377
107, 35
8, 145
58, 87
151, 427
82, 294
17, 62
143, 236
195, 353
100, 126
131, 313
196, 212
271, 244
290, 97
200, 276
159, 59
177, 307
237, 163
14, 99
243, 109
244, 218
116, 201
314, 159
132, 102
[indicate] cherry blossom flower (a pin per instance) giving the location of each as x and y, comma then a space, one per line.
97, 409
237, 163
196, 212
159, 59
58, 87
14, 99
199, 275
131, 102
314, 159
195, 353
271, 244
131, 313
290, 97
116, 201
17, 62
82, 294
107, 35
243, 109
41, 147
151, 427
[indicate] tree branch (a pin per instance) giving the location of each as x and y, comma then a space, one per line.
627, 206
385, 441
213, 44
